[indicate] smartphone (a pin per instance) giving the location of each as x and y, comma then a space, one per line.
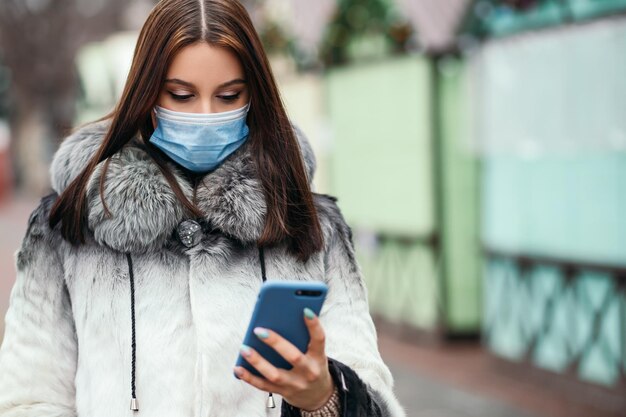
280, 307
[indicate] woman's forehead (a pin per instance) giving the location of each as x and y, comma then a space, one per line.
205, 66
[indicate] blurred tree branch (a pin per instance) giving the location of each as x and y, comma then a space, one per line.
39, 40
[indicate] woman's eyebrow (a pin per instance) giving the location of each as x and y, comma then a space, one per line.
190, 85
181, 82
232, 82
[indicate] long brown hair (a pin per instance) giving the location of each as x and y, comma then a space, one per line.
172, 25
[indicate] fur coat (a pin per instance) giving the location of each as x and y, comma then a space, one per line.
67, 344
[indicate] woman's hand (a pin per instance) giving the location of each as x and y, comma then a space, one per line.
308, 385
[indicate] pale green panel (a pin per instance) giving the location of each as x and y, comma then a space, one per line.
557, 322
555, 341
504, 310
460, 202
103, 69
600, 360
95, 75
382, 155
567, 207
545, 285
401, 282
553, 92
592, 289
491, 301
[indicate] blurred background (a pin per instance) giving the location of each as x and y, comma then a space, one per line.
477, 149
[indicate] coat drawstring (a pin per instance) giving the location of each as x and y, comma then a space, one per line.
270, 398
133, 398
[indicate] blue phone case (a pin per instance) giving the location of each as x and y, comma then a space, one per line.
280, 307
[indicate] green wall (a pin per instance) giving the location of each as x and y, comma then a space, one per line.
381, 120
382, 174
408, 188
553, 139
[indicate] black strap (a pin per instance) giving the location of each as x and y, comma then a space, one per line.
262, 258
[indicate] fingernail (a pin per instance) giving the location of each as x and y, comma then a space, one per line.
309, 313
239, 372
245, 350
261, 332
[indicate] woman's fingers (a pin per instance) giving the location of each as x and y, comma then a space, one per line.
260, 383
317, 346
273, 374
285, 348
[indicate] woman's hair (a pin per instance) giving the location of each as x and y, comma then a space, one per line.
172, 25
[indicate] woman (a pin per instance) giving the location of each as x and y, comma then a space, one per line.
137, 276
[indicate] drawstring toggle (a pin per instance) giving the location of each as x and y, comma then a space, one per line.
270, 401
133, 404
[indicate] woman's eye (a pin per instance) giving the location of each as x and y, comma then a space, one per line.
180, 97
230, 97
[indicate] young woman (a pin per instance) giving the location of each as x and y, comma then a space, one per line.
137, 276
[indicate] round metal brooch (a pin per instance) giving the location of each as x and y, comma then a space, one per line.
189, 232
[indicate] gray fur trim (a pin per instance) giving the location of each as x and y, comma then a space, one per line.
335, 226
74, 154
232, 196
144, 207
37, 233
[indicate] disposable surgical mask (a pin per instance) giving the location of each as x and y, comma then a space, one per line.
200, 142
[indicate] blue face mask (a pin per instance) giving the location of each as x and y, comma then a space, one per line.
200, 142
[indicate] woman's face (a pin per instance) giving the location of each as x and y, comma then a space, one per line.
204, 79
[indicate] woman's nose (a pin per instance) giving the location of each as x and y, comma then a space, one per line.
207, 107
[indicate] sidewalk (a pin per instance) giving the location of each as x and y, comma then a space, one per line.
463, 380
430, 381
